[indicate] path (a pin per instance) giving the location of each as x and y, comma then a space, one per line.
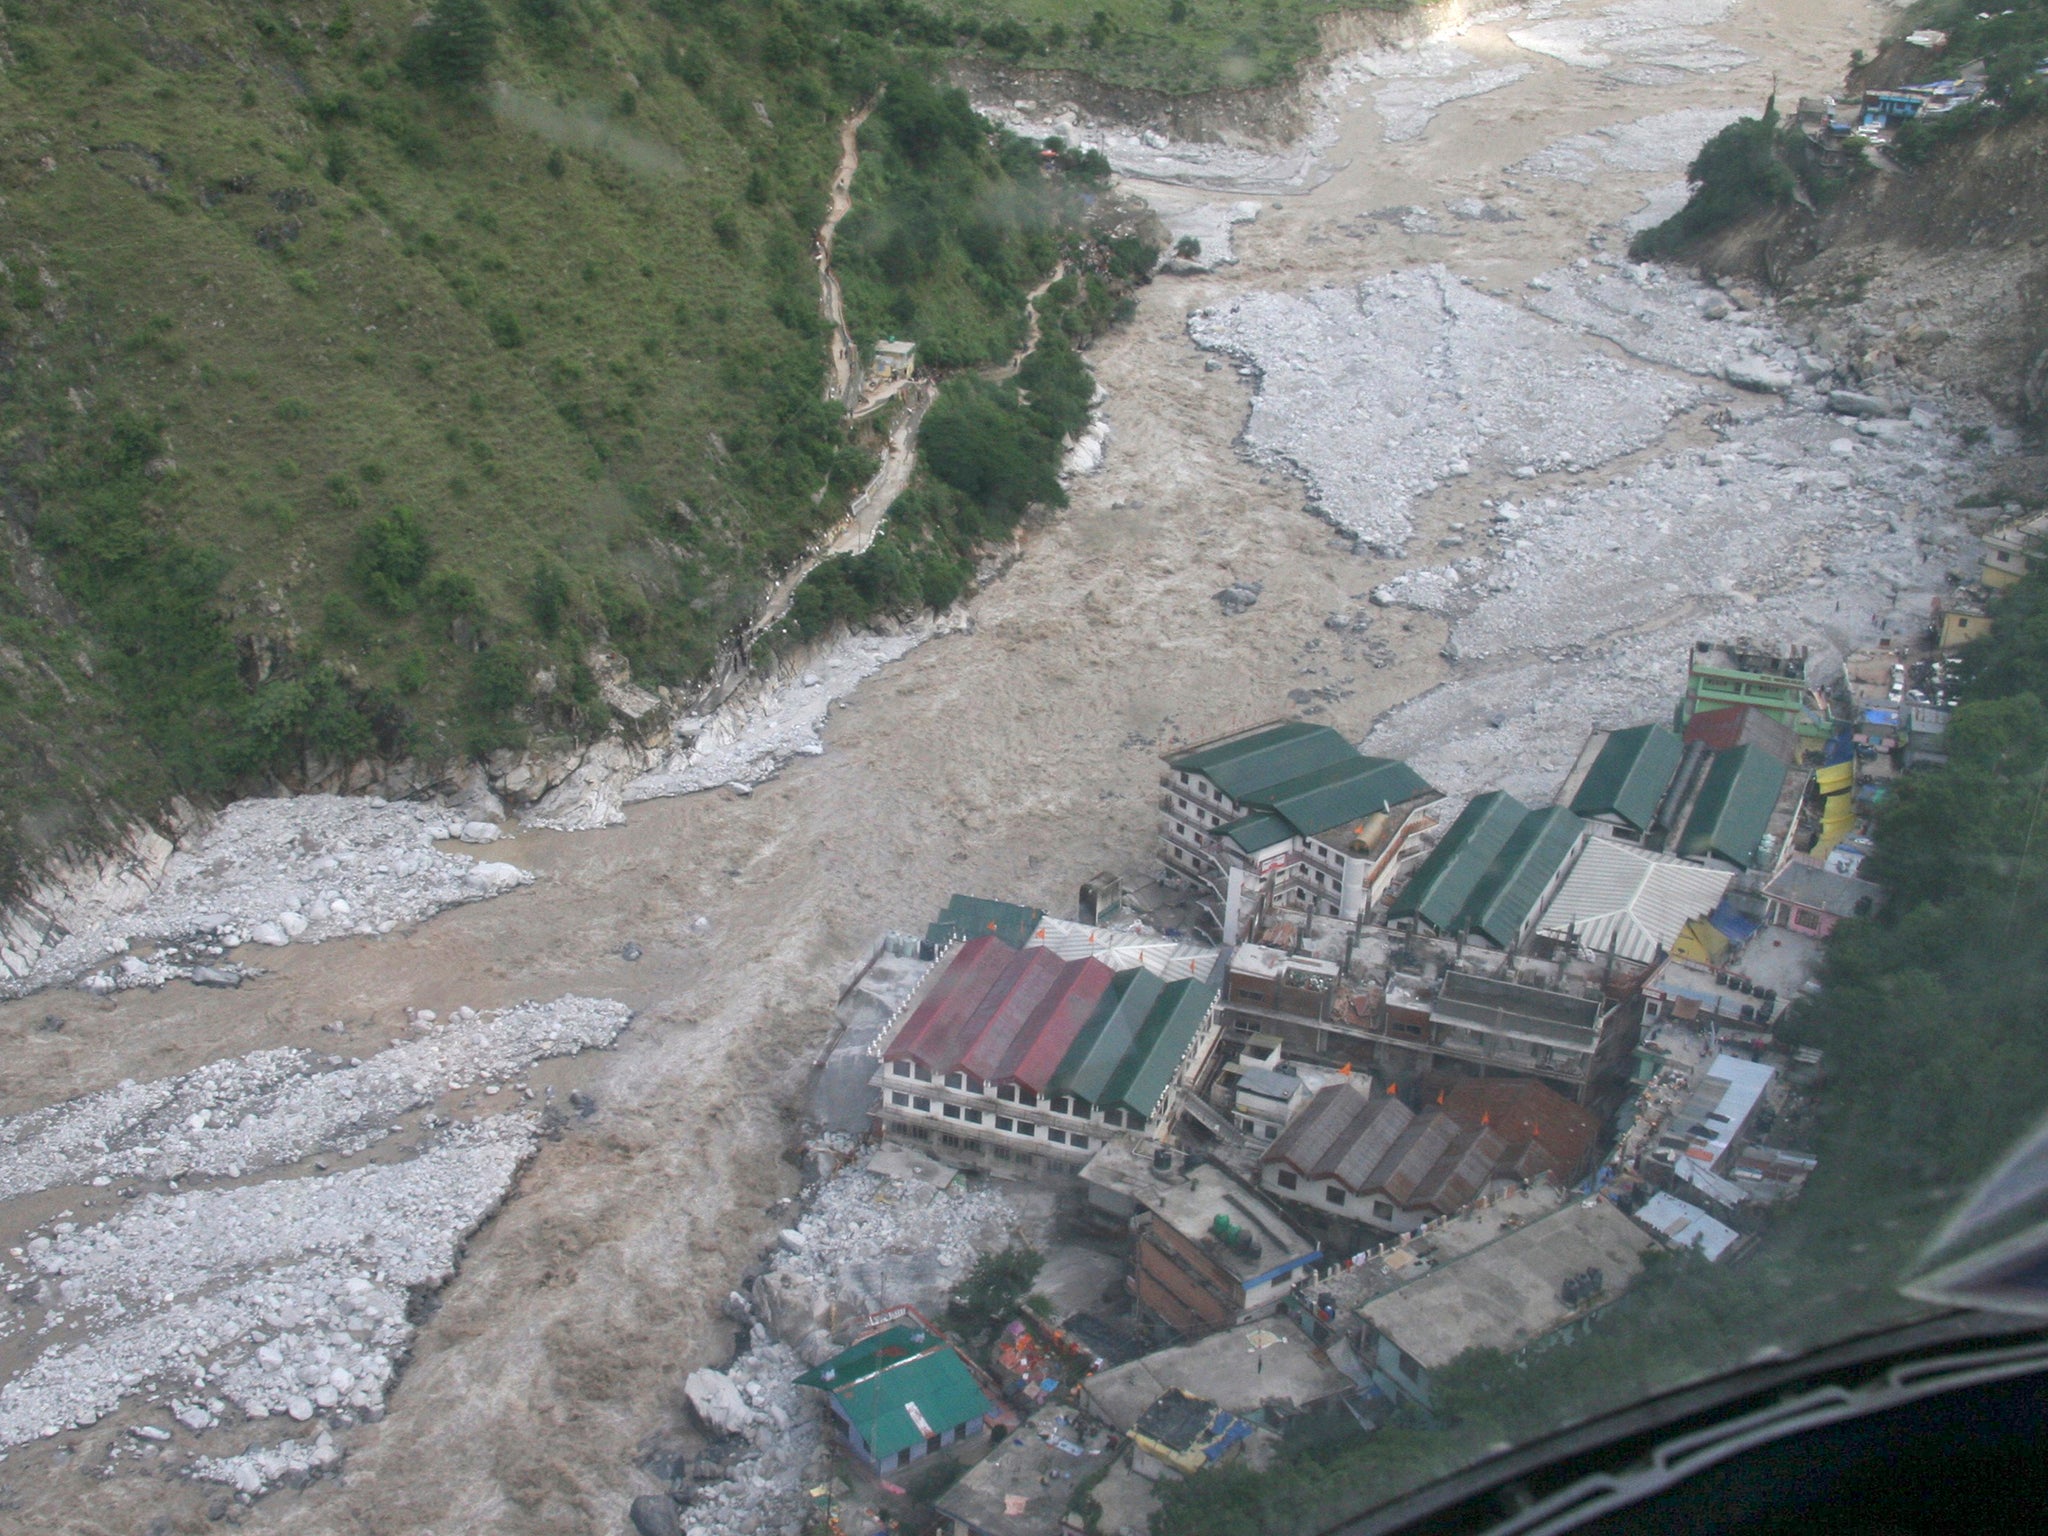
845, 358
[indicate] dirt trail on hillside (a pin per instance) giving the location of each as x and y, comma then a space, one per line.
845, 356
1013, 760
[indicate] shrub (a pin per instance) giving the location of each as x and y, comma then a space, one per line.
1737, 172
455, 48
391, 558
504, 327
547, 598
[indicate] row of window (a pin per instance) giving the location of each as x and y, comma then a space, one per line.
957, 1143
1010, 1093
1333, 1194
1057, 1135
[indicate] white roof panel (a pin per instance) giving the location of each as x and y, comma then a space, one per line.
1633, 902
1686, 1225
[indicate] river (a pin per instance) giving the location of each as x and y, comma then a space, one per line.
1014, 759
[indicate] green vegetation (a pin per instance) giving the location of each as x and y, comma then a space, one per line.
1753, 165
1934, 1025
361, 376
989, 1295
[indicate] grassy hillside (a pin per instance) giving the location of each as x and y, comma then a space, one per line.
361, 367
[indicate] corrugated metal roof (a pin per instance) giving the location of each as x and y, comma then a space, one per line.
1630, 775
880, 1381
1733, 810
1122, 949
1633, 904
1437, 891
989, 1030
1257, 832
1514, 883
1341, 793
1686, 1225
970, 971
1822, 890
1036, 1050
972, 917
1249, 765
1740, 725
1155, 1053
1093, 1058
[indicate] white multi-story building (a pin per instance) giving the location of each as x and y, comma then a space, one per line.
1289, 817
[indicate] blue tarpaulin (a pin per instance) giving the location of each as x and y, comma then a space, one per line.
1738, 926
1841, 748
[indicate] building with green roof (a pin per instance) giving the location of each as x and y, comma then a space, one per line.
1288, 815
1160, 1048
1736, 805
969, 917
901, 1394
1438, 891
1493, 870
1625, 780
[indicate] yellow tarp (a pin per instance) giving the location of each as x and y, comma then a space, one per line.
1836, 779
1700, 942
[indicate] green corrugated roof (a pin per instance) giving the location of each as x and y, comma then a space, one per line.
1630, 775
1437, 892
1162, 1040
1733, 809
1248, 766
1097, 1051
1260, 830
1343, 792
972, 916
1514, 881
878, 1380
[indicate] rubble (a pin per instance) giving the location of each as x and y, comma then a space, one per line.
1656, 36
782, 1451
274, 872
269, 1108
288, 1297
1502, 389
1662, 142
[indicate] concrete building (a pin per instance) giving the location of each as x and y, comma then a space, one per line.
1267, 1372
1025, 1486
1031, 1057
1289, 816
1808, 897
2011, 549
1207, 1252
900, 1395
1960, 617
1536, 1286
1493, 872
1770, 677
893, 361
1367, 1159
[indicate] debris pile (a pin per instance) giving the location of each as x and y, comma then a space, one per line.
233, 1117
777, 1434
267, 872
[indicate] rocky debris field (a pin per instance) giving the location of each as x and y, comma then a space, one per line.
269, 1108
263, 872
1639, 42
890, 1229
743, 742
286, 1300
1379, 393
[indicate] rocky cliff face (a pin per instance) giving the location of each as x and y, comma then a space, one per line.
1939, 271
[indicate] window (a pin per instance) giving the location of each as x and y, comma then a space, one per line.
1244, 1123
899, 1098
1007, 1093
1027, 1098
1286, 1180
918, 1132
921, 1103
1026, 1128
1003, 1154
1005, 1123
1183, 778
956, 1080
948, 1139
920, 1071
1134, 1120
1382, 1210
1078, 1141
974, 1117
1063, 1105
1333, 1194
1055, 1135
1269, 1131
901, 1069
975, 1084
951, 1111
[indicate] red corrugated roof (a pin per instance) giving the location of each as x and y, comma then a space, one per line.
970, 971
1738, 725
1039, 1047
986, 1034
1526, 1113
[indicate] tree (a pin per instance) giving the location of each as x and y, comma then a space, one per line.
994, 1286
455, 47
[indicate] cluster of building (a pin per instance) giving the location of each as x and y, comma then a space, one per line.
1875, 115
1436, 1079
